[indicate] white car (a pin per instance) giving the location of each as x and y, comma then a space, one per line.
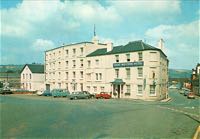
39, 92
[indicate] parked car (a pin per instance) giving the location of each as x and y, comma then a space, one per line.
79, 95
47, 93
191, 95
90, 95
103, 95
5, 91
186, 92
40, 92
59, 93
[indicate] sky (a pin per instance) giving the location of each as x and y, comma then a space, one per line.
30, 27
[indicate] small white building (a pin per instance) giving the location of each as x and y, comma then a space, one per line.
32, 77
135, 70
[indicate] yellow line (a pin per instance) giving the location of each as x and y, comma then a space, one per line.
197, 133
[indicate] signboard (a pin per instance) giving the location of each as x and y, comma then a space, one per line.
128, 64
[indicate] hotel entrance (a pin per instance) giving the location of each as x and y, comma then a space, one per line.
117, 87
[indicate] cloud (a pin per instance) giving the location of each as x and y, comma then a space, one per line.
42, 45
181, 42
188, 30
147, 7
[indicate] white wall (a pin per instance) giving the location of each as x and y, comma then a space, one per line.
33, 83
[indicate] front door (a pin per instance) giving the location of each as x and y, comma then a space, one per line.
118, 91
48, 87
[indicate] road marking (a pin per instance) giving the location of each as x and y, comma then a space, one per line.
187, 113
197, 133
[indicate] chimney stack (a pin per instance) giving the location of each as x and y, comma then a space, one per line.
109, 46
161, 44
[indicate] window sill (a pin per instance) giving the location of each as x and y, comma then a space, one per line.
139, 77
139, 94
152, 95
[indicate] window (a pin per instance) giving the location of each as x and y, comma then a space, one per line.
74, 87
59, 85
89, 76
74, 52
140, 56
59, 75
102, 89
74, 74
66, 75
128, 57
81, 61
128, 73
59, 64
117, 58
139, 89
66, 63
81, 51
66, 53
140, 72
23, 76
66, 86
88, 88
30, 76
30, 85
152, 89
128, 90
97, 62
59, 54
153, 56
81, 85
153, 74
100, 76
26, 76
89, 63
95, 88
117, 73
74, 63
96, 76
81, 74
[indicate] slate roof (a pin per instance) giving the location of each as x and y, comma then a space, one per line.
35, 68
130, 47
65, 45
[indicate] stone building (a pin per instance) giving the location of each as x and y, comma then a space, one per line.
136, 70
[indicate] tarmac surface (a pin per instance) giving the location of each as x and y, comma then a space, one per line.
30, 116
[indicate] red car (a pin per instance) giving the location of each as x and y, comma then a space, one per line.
103, 95
191, 95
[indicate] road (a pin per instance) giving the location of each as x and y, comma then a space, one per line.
25, 116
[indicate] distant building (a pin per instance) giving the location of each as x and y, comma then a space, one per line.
10, 74
136, 70
196, 79
32, 77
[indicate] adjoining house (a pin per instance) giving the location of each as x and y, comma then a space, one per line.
196, 79
32, 77
136, 70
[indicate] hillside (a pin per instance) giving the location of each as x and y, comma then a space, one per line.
179, 73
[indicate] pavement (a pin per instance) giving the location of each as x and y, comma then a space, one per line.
25, 116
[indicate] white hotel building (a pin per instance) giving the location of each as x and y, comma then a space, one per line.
135, 70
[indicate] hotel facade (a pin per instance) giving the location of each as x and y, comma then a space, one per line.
136, 70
